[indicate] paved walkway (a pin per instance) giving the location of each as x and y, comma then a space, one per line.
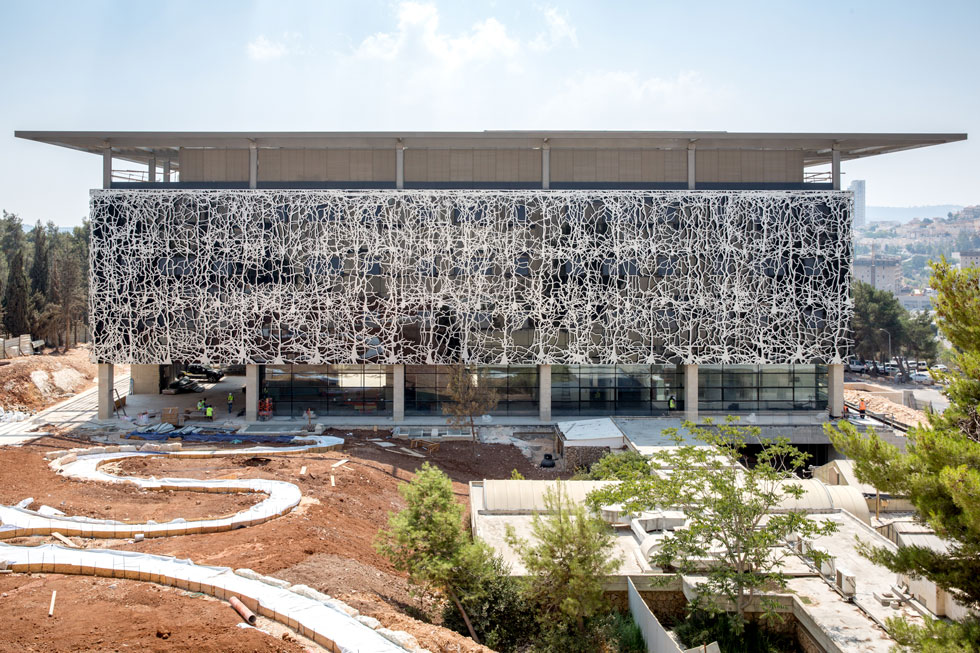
74, 411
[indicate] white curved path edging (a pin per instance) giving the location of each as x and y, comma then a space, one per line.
325, 624
327, 621
82, 465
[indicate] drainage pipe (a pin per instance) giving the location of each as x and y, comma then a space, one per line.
240, 607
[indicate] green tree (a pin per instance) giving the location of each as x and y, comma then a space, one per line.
16, 307
875, 310
67, 286
920, 336
567, 559
619, 466
426, 539
729, 510
39, 262
470, 394
940, 470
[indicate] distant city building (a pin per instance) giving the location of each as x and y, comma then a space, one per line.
915, 302
860, 205
882, 272
970, 259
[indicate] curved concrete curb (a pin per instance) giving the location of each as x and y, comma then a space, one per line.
84, 464
319, 620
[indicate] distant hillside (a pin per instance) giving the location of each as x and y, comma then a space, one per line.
906, 213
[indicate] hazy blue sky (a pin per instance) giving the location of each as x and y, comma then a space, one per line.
373, 65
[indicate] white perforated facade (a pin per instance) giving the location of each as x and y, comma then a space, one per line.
491, 277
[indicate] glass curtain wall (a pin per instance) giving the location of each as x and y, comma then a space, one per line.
516, 386
616, 389
328, 389
762, 387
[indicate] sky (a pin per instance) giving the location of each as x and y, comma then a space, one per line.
287, 65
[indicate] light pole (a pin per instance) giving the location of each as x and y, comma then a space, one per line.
889, 344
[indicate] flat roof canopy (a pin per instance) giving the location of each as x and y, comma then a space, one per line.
817, 148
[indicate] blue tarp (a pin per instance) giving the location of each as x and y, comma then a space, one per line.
209, 436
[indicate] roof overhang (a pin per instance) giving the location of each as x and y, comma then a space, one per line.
817, 148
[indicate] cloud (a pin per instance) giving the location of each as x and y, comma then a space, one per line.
629, 100
265, 49
418, 31
559, 30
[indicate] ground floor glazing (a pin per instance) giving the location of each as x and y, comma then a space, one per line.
567, 390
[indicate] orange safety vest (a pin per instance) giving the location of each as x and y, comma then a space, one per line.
861, 405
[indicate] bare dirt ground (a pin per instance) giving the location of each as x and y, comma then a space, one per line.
32, 383
326, 543
107, 614
24, 473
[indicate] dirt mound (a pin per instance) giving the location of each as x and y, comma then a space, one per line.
327, 543
110, 614
31, 383
878, 404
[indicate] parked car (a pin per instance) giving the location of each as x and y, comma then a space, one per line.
891, 370
922, 366
922, 377
197, 371
856, 366
186, 384
940, 368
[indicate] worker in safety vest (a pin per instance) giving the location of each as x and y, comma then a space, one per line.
862, 407
846, 412
209, 412
671, 403
200, 405
231, 401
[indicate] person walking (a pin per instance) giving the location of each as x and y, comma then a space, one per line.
862, 407
671, 403
231, 401
209, 412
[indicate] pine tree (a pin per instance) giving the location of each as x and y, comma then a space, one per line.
567, 559
39, 264
426, 539
16, 297
940, 470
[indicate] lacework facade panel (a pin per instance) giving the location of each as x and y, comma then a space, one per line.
491, 277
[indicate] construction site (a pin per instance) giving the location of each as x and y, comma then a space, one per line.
135, 533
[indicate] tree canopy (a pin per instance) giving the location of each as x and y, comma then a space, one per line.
940, 470
731, 529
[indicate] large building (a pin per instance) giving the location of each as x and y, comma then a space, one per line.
589, 273
880, 271
860, 202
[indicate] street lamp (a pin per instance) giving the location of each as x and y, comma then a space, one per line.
889, 344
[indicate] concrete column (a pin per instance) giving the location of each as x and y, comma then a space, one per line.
151, 169
399, 167
544, 393
545, 167
835, 167
692, 171
104, 391
691, 393
398, 393
166, 171
106, 167
253, 165
835, 389
251, 393
146, 379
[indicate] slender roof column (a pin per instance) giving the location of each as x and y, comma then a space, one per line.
253, 165
106, 166
400, 166
546, 166
691, 167
835, 167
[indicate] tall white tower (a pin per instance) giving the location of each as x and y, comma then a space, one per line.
859, 203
